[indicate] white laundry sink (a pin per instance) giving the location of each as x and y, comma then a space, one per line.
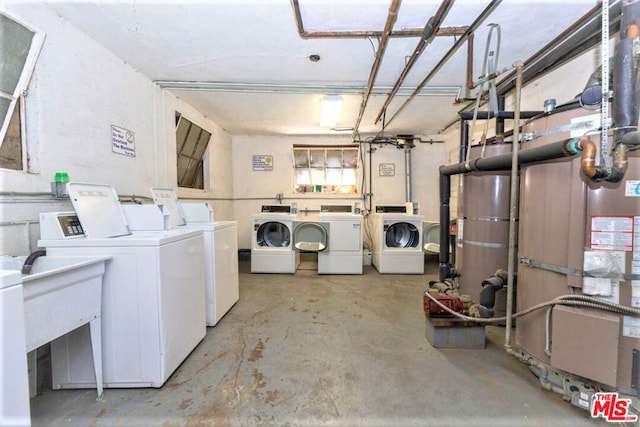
60, 295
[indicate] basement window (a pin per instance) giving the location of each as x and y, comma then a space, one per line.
19, 48
191, 145
325, 169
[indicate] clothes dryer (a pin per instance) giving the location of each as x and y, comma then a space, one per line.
153, 311
272, 249
344, 252
397, 241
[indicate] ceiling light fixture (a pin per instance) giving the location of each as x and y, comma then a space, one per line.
331, 105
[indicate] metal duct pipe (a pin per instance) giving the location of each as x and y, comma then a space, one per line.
556, 150
472, 28
384, 41
407, 173
428, 34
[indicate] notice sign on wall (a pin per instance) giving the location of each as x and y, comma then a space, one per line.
387, 169
262, 162
123, 141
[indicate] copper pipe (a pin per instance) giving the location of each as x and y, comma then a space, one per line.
428, 35
588, 160
384, 41
592, 171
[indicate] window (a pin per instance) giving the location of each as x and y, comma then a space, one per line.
191, 145
325, 169
19, 48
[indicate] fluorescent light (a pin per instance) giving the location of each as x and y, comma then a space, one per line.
331, 105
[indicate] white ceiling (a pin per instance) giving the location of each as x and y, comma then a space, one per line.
244, 65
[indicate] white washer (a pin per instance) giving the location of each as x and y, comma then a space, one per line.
344, 251
153, 312
222, 288
272, 249
397, 241
14, 387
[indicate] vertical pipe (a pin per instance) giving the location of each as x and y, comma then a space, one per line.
513, 206
464, 139
500, 119
407, 173
370, 177
445, 195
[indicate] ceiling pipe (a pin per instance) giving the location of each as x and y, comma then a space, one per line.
576, 39
579, 37
470, 84
472, 28
405, 32
428, 34
384, 41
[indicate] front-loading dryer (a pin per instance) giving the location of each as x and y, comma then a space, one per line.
397, 241
272, 249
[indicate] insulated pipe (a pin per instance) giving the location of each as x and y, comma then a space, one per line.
556, 150
428, 33
464, 139
384, 41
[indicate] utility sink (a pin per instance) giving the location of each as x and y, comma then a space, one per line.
60, 295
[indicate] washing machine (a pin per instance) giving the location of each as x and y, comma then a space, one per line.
14, 388
222, 288
272, 249
153, 312
343, 254
397, 240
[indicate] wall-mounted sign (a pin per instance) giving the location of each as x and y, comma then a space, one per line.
262, 162
387, 169
123, 141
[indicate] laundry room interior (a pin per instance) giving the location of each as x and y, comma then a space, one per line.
304, 212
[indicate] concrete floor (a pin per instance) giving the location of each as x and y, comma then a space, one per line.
306, 349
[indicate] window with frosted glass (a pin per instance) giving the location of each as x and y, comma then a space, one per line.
326, 169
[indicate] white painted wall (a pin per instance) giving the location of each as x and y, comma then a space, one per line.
78, 90
252, 189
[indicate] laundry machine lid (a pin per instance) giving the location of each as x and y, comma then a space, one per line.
310, 236
98, 210
168, 198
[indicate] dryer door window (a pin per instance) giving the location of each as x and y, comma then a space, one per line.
402, 235
274, 235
